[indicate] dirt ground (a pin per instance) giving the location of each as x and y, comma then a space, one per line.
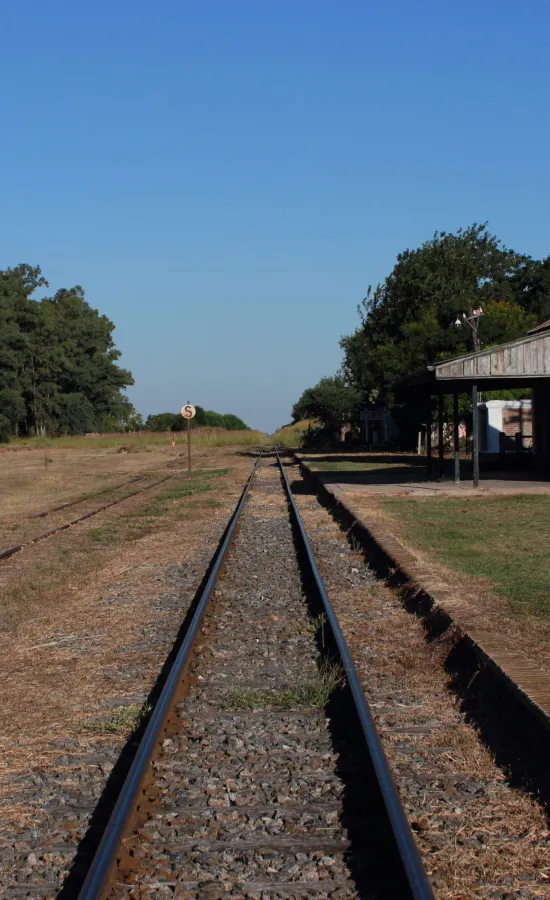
34, 479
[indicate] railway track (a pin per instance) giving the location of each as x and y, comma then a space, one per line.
260, 773
116, 487
11, 551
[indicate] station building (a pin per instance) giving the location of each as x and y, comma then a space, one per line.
524, 363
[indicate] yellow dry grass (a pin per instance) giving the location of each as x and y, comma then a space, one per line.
202, 437
292, 435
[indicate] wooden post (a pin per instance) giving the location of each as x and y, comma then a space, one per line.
456, 438
475, 436
189, 446
441, 441
429, 435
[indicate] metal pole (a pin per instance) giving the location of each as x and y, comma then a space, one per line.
429, 435
189, 446
456, 438
441, 442
475, 444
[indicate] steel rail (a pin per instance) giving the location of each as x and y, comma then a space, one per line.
11, 551
116, 487
104, 861
409, 856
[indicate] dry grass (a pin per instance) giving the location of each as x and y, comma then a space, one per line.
140, 440
292, 435
42, 575
28, 486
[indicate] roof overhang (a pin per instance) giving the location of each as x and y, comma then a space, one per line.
519, 363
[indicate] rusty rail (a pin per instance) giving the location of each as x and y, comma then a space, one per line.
11, 551
405, 846
105, 859
116, 487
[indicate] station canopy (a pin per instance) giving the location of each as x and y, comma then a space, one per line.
521, 363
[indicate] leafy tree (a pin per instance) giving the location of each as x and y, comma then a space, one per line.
408, 321
233, 423
302, 405
532, 288
214, 419
176, 422
58, 370
200, 417
333, 401
162, 422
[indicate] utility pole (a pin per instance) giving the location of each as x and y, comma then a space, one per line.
472, 319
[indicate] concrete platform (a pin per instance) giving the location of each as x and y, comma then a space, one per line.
524, 676
406, 474
435, 488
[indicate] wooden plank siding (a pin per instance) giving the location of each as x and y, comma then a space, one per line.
526, 358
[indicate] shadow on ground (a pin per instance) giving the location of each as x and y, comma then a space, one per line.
403, 469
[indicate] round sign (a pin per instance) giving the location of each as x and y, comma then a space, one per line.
188, 411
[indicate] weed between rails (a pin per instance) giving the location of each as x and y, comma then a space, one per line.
313, 693
309, 627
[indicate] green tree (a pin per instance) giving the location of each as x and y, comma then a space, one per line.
214, 419
300, 410
333, 401
532, 288
58, 362
234, 423
162, 422
18, 322
408, 321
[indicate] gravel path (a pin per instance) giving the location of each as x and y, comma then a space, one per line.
252, 788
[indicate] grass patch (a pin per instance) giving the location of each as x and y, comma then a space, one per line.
309, 627
503, 539
142, 440
106, 534
199, 483
308, 694
346, 465
125, 719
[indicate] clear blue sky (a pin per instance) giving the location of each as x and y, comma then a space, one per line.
226, 177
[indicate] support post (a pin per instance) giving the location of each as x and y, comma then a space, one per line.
475, 436
456, 438
189, 446
429, 435
440, 407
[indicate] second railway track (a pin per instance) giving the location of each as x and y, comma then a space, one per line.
37, 538
260, 773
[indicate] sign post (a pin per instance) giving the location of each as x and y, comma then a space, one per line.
188, 411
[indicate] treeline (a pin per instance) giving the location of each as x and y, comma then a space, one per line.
408, 321
58, 362
176, 422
